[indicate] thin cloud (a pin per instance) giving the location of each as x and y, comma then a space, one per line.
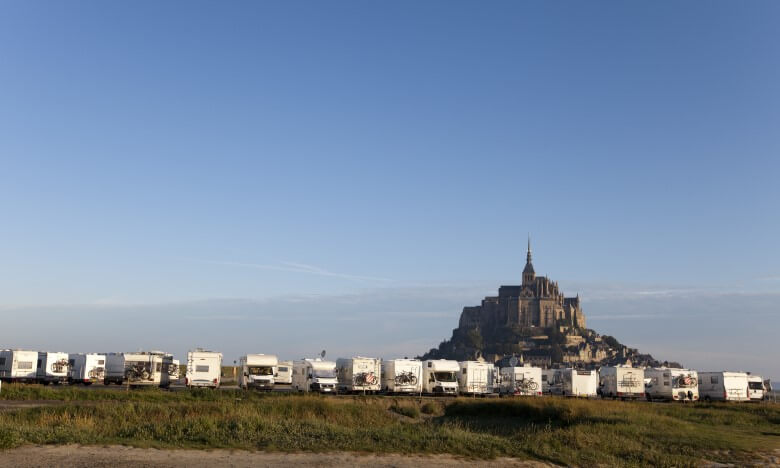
298, 268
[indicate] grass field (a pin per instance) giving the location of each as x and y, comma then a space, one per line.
563, 431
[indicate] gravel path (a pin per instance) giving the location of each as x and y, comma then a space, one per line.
121, 457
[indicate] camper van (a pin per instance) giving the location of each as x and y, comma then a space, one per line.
52, 368
475, 378
284, 373
723, 386
87, 368
17, 365
622, 382
257, 371
314, 375
204, 368
358, 374
171, 371
578, 382
143, 368
755, 387
671, 384
521, 380
440, 377
402, 376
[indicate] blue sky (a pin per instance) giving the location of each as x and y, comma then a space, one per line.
288, 170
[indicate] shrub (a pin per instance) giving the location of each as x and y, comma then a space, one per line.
408, 411
429, 408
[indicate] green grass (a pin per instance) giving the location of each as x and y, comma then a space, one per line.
567, 432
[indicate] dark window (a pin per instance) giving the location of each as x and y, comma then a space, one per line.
714, 379
2, 361
201, 368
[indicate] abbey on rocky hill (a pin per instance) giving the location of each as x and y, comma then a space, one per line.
536, 303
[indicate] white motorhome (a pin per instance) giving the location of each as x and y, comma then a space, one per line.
17, 365
671, 384
622, 382
440, 377
284, 373
723, 386
144, 368
52, 367
204, 368
86, 368
257, 371
314, 375
358, 374
402, 376
171, 371
475, 377
521, 380
578, 382
755, 387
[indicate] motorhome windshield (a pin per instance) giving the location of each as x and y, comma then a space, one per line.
444, 376
755, 385
325, 373
261, 370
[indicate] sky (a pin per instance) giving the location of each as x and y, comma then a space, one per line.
287, 177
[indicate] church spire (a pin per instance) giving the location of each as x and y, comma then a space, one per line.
528, 272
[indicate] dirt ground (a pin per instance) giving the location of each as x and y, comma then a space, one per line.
121, 457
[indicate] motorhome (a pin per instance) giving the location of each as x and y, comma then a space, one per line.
52, 367
314, 375
723, 386
624, 382
171, 371
578, 382
521, 380
440, 377
671, 384
86, 368
402, 376
204, 368
284, 373
18, 365
475, 377
257, 371
358, 374
755, 387
138, 369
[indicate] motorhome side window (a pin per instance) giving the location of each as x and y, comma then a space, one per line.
201, 368
714, 379
25, 365
159, 367
101, 362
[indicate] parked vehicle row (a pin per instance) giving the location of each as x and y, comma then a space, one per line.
368, 375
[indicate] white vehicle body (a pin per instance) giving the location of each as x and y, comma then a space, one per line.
440, 377
402, 376
755, 387
171, 371
142, 368
87, 368
572, 382
723, 386
284, 373
521, 380
671, 384
204, 368
475, 378
314, 375
18, 365
257, 371
621, 382
52, 367
358, 374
